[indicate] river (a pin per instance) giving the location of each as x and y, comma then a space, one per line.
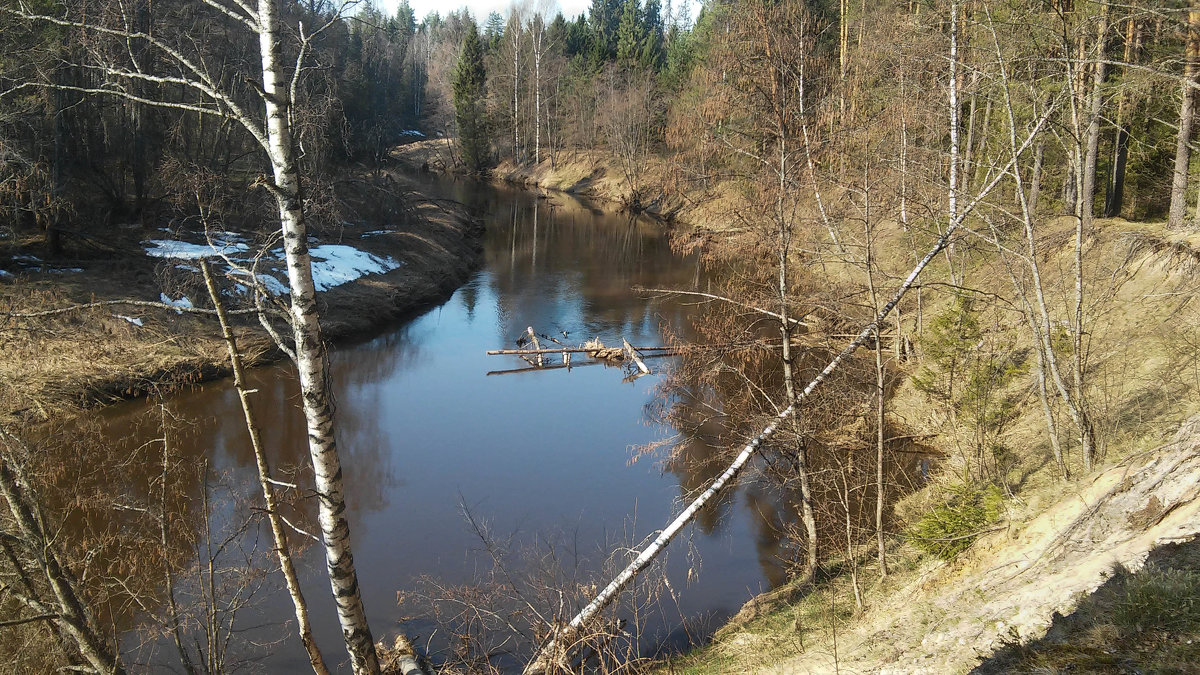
427, 428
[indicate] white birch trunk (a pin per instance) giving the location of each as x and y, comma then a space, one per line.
539, 32
1039, 323
952, 206
311, 359
562, 639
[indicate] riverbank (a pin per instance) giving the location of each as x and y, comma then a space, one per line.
1056, 575
655, 187
1059, 540
56, 364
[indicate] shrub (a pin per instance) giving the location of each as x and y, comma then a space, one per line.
953, 523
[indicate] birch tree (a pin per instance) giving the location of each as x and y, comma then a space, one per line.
272, 130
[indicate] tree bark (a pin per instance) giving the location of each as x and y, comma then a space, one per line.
311, 358
1088, 192
1115, 198
1179, 180
282, 550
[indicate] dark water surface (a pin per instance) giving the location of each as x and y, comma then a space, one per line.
541, 456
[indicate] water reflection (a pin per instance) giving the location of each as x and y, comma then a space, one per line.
424, 431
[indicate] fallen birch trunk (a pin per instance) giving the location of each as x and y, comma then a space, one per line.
632, 355
553, 652
575, 350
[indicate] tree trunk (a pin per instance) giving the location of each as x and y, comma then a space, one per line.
1115, 198
70, 613
537, 92
785, 327
879, 384
1179, 180
311, 358
843, 47
1035, 185
1088, 192
282, 550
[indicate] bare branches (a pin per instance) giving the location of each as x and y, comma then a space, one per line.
199, 80
128, 303
711, 296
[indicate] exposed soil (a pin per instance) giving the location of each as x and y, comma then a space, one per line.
53, 365
658, 187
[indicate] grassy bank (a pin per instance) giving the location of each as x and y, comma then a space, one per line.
650, 184
1038, 548
981, 562
53, 365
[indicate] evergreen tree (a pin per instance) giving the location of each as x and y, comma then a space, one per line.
630, 34
493, 31
604, 17
578, 37
651, 56
469, 105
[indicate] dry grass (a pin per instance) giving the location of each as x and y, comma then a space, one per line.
1143, 348
54, 365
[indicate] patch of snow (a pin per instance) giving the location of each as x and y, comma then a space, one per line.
332, 264
182, 250
27, 259
187, 268
133, 320
270, 284
376, 233
182, 302
412, 132
63, 270
336, 264
5, 273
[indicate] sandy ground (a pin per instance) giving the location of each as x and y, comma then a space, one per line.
659, 187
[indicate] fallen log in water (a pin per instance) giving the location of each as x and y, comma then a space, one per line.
631, 354
659, 351
561, 366
564, 639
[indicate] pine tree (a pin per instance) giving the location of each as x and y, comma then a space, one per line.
630, 34
651, 56
469, 79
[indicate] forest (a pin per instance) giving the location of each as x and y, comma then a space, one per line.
950, 249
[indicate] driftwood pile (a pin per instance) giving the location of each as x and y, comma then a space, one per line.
529, 348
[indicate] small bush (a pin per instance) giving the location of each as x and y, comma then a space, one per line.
951, 525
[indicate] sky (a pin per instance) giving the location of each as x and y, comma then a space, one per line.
481, 8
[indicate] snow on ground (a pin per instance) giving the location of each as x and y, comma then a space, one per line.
332, 264
182, 250
182, 302
36, 264
5, 273
133, 320
412, 132
336, 264
270, 284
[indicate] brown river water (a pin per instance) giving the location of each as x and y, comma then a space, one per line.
544, 458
